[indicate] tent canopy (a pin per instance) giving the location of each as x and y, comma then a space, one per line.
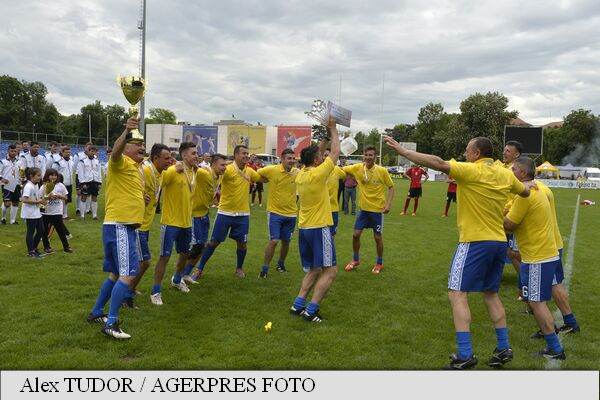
547, 169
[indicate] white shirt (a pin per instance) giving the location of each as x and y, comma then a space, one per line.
51, 158
28, 161
88, 170
31, 211
79, 156
54, 207
9, 169
65, 168
204, 164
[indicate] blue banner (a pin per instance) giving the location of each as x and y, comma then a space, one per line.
205, 137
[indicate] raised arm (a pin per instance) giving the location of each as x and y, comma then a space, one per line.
427, 160
119, 145
334, 154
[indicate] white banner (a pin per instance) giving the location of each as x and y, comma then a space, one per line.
559, 183
450, 385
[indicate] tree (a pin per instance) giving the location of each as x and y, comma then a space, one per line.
161, 116
428, 123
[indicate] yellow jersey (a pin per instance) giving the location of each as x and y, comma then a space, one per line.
315, 208
481, 196
333, 185
207, 182
235, 187
557, 236
535, 233
152, 183
371, 182
124, 192
178, 188
282, 189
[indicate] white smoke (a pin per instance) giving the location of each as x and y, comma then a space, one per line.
586, 155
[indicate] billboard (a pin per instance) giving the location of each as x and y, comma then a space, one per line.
293, 137
531, 137
204, 137
253, 137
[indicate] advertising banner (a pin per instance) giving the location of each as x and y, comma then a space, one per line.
253, 137
560, 183
205, 137
292, 137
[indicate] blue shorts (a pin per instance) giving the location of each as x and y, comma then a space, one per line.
316, 248
333, 228
280, 226
142, 245
559, 274
237, 227
477, 266
200, 228
169, 234
512, 242
369, 219
536, 280
120, 249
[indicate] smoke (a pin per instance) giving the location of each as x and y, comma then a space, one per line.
586, 155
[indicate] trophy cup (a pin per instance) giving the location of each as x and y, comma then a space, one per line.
133, 88
321, 112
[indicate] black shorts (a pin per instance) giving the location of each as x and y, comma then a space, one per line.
451, 196
258, 187
13, 197
90, 188
69, 194
415, 192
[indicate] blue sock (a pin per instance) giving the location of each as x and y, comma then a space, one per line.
380, 260
103, 297
177, 278
265, 268
553, 343
312, 308
119, 293
299, 303
280, 263
502, 338
570, 319
130, 294
241, 254
355, 256
188, 269
208, 251
463, 339
156, 288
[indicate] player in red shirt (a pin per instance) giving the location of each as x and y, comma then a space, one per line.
451, 195
414, 173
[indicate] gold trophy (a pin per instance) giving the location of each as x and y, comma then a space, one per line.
133, 88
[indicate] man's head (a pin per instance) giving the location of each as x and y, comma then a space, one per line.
12, 152
188, 153
524, 169
34, 148
369, 155
512, 151
343, 162
53, 147
479, 147
218, 162
90, 151
206, 157
66, 152
160, 155
26, 146
288, 159
135, 151
311, 156
240, 155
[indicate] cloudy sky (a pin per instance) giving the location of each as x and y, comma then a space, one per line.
265, 61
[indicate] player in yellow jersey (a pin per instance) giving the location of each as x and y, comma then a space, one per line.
281, 208
372, 179
512, 151
124, 213
160, 159
531, 221
176, 220
479, 258
333, 187
208, 181
233, 217
317, 249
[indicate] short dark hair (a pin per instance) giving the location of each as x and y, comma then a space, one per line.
308, 154
217, 156
237, 148
184, 146
158, 148
484, 145
32, 143
526, 164
65, 147
53, 143
369, 148
287, 151
516, 145
12, 146
92, 147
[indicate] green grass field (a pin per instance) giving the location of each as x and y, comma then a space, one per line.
398, 320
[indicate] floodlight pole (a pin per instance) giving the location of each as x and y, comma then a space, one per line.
142, 27
381, 120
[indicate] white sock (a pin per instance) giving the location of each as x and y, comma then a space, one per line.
78, 203
13, 214
65, 209
95, 209
82, 207
3, 211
